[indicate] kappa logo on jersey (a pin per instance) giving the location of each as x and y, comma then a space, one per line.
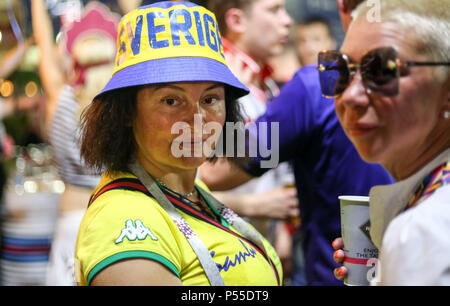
135, 230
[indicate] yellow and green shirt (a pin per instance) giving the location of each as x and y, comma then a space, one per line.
126, 222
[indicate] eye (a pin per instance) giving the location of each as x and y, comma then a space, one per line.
170, 101
275, 9
210, 100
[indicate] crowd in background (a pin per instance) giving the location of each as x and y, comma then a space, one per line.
273, 52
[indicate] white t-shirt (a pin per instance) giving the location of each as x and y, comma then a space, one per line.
415, 244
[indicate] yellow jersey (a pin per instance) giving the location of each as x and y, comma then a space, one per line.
126, 222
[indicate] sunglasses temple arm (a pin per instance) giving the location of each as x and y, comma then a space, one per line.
427, 64
323, 68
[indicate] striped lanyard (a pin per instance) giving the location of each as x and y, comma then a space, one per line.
203, 254
436, 179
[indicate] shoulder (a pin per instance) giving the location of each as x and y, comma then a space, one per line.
122, 224
425, 221
121, 194
309, 76
414, 243
202, 185
305, 85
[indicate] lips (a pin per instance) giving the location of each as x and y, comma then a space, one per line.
190, 143
360, 129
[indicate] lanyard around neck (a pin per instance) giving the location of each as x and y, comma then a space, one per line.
436, 179
207, 262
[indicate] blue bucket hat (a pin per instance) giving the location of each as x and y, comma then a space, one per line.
171, 42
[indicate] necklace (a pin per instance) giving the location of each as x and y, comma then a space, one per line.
184, 195
203, 208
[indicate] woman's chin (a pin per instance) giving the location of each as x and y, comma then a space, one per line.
190, 162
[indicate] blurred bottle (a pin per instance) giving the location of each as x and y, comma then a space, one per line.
292, 223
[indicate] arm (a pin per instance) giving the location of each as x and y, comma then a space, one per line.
12, 59
294, 113
277, 203
283, 245
50, 71
136, 272
128, 5
222, 175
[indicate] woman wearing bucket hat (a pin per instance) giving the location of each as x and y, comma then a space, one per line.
150, 222
71, 77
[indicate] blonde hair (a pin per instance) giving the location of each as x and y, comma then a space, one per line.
427, 20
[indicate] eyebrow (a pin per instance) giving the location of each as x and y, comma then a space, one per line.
161, 86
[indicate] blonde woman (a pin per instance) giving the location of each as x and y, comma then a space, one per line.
391, 81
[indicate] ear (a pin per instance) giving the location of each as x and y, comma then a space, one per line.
235, 20
341, 6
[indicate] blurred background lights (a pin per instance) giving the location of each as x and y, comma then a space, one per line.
58, 186
6, 88
31, 89
30, 186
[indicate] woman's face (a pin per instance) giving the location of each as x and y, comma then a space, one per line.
173, 124
386, 130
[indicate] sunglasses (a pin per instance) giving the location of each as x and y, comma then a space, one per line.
380, 71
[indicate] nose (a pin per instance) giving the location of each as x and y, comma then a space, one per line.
196, 111
286, 18
355, 95
196, 117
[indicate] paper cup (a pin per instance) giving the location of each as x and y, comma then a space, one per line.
360, 254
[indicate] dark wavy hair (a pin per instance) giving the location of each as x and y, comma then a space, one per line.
107, 139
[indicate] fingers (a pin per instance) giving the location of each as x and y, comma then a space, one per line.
290, 192
340, 273
338, 256
290, 195
338, 243
294, 212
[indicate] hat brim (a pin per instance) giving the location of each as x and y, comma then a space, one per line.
177, 69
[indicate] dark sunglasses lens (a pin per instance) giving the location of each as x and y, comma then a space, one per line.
333, 73
380, 73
